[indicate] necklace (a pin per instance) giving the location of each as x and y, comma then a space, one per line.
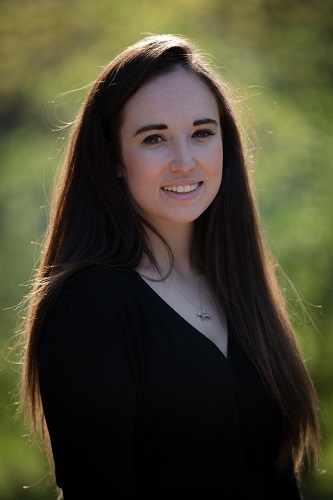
201, 313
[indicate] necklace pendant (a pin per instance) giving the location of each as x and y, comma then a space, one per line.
203, 315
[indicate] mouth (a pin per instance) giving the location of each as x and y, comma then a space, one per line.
186, 188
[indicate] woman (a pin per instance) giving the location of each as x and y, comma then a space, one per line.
158, 348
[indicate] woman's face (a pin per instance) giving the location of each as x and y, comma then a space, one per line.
171, 149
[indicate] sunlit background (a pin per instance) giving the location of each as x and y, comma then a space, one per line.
277, 54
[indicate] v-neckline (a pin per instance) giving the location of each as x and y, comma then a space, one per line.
183, 320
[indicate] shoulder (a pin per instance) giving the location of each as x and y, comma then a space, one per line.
92, 303
99, 283
96, 295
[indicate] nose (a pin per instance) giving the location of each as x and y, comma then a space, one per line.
183, 158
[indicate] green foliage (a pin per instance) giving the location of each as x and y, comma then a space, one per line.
276, 53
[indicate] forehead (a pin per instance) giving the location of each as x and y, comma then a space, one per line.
178, 93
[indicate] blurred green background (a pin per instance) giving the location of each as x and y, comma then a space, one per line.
277, 53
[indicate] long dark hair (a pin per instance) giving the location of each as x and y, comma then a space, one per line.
93, 220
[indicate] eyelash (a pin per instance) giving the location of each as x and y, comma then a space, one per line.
156, 139
203, 133
152, 139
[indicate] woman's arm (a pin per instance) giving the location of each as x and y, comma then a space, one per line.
89, 398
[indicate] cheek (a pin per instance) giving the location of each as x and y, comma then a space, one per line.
133, 184
130, 168
140, 181
140, 170
217, 173
217, 164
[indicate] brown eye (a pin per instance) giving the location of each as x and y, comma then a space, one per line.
152, 139
203, 133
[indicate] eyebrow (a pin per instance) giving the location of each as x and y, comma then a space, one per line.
205, 121
161, 126
146, 128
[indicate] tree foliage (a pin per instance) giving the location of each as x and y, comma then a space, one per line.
276, 53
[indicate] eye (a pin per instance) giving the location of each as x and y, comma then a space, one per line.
202, 133
152, 140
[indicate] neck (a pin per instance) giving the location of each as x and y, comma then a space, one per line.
180, 241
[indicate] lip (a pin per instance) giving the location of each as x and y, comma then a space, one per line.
187, 194
182, 187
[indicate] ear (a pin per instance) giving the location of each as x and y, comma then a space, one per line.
120, 170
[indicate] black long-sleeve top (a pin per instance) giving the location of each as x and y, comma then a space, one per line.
141, 405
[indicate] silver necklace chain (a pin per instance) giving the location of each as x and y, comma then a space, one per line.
201, 313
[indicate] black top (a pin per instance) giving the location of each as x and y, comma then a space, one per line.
141, 405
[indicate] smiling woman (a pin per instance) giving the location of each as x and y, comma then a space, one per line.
173, 168
158, 353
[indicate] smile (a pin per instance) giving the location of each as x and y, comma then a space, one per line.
182, 189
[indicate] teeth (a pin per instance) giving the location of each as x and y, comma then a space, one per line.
181, 189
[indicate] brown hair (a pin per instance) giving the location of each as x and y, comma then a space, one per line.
93, 220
